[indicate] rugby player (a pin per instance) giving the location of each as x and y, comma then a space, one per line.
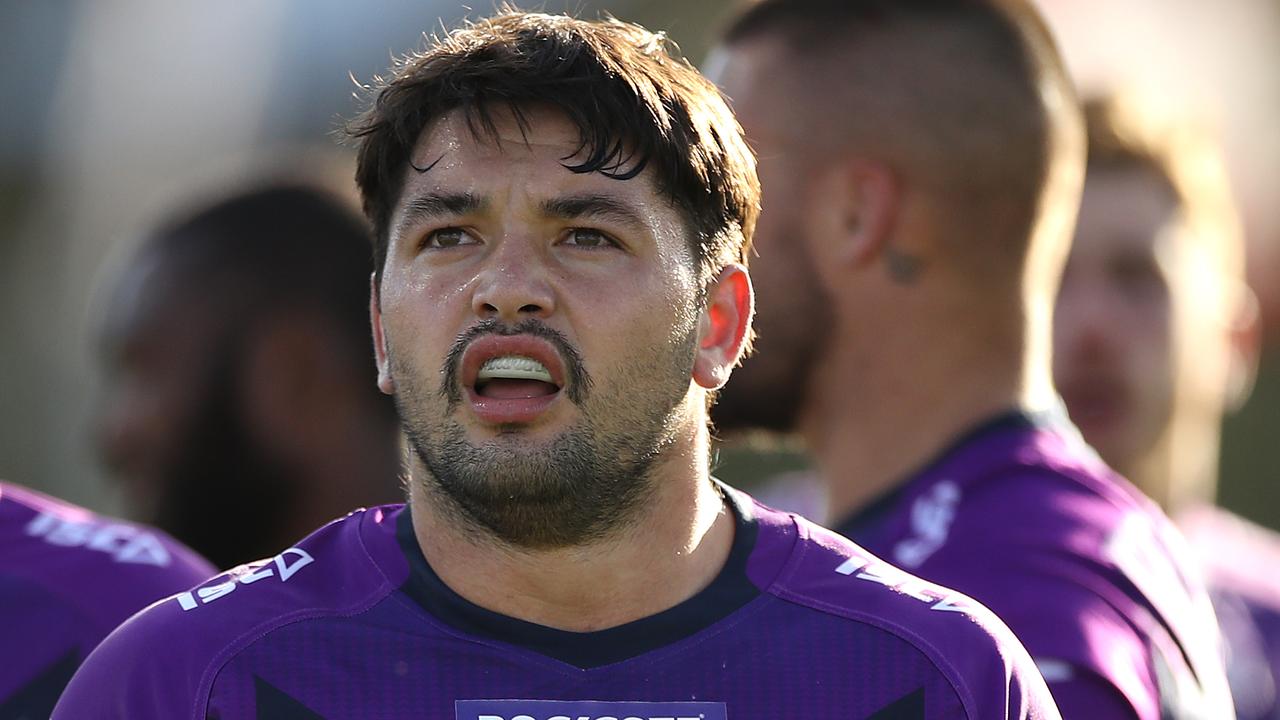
561, 209
236, 359
921, 164
67, 578
1156, 339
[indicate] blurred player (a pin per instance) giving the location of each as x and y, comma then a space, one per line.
239, 412
561, 210
921, 165
1156, 338
67, 578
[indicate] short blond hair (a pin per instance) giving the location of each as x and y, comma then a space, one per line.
1126, 132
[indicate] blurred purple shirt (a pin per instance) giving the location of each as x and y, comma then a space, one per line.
1089, 574
67, 578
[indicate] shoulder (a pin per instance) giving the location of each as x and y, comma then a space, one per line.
1050, 507
105, 567
333, 572
1085, 570
1238, 556
988, 668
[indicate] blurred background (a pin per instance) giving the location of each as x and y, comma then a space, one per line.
119, 111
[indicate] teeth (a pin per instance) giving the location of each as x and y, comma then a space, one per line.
513, 367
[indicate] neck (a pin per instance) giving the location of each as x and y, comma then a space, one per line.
880, 410
682, 535
1181, 471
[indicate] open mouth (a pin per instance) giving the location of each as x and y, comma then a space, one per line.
509, 377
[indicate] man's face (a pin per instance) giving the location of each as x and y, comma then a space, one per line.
538, 328
1135, 334
157, 355
793, 314
170, 427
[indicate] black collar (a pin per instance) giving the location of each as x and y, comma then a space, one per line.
730, 590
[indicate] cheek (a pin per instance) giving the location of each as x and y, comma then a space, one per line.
144, 418
421, 311
636, 329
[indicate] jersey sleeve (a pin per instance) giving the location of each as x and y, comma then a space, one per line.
990, 672
142, 670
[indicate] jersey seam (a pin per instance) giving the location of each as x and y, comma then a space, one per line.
218, 664
922, 646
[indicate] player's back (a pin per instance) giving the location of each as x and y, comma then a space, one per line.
67, 578
1089, 574
352, 622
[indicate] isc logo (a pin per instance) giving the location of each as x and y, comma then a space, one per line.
282, 566
908, 585
124, 543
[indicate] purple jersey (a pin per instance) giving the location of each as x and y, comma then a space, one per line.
67, 578
1088, 573
353, 622
1240, 561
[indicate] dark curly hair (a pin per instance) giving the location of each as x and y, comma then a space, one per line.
636, 103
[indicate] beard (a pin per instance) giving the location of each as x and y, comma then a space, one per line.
225, 495
582, 486
793, 320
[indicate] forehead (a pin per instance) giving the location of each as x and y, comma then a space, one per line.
1124, 209
529, 154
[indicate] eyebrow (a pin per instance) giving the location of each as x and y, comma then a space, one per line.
593, 205
434, 205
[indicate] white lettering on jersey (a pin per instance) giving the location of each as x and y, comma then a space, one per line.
587, 710
282, 566
124, 543
590, 718
892, 577
931, 518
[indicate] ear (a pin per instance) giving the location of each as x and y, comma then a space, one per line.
385, 383
864, 198
724, 327
1246, 346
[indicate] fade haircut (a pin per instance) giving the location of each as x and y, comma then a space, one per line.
636, 104
967, 99
1127, 133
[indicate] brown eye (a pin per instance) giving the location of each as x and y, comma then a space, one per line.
588, 238
447, 238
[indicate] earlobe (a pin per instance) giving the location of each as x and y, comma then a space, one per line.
724, 328
385, 383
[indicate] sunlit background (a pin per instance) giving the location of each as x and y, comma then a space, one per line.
114, 112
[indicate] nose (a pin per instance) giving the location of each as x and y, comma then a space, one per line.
514, 283
1083, 319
